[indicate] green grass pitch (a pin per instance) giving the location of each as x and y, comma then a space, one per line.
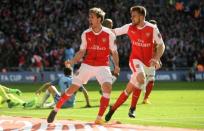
174, 104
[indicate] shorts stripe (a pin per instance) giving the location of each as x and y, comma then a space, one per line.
132, 65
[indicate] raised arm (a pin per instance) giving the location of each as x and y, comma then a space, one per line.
43, 87
121, 30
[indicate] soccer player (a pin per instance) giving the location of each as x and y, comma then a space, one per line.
63, 82
142, 61
6, 95
97, 44
150, 77
109, 24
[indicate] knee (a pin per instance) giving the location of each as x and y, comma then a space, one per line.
127, 92
129, 89
107, 87
141, 78
106, 95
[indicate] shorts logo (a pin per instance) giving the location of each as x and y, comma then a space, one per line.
89, 39
133, 32
137, 66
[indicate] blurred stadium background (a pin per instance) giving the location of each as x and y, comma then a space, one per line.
34, 35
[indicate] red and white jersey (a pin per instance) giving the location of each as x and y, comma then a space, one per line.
98, 46
142, 39
37, 60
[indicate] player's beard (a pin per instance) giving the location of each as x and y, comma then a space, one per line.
90, 25
136, 23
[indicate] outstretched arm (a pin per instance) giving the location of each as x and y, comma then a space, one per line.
10, 90
121, 30
43, 87
4, 92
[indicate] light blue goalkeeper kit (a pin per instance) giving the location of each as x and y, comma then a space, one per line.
64, 82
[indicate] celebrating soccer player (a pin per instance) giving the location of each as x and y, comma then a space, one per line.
142, 61
97, 44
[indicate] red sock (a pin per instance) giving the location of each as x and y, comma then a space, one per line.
149, 89
135, 97
103, 105
121, 99
62, 100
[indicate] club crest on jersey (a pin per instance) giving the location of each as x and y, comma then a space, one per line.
104, 40
137, 66
89, 39
132, 32
147, 34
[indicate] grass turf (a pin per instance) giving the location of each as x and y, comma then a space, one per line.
174, 104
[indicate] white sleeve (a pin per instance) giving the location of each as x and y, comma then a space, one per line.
112, 44
83, 41
121, 30
157, 36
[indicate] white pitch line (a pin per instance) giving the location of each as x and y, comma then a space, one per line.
116, 129
87, 127
131, 130
101, 128
43, 126
163, 120
174, 122
71, 127
85, 116
58, 127
15, 130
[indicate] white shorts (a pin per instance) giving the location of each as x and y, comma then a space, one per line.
137, 67
86, 72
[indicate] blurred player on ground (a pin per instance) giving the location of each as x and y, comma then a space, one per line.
6, 95
142, 61
63, 82
97, 45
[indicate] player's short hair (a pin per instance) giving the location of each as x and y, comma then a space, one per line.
153, 22
67, 71
99, 13
108, 23
140, 9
